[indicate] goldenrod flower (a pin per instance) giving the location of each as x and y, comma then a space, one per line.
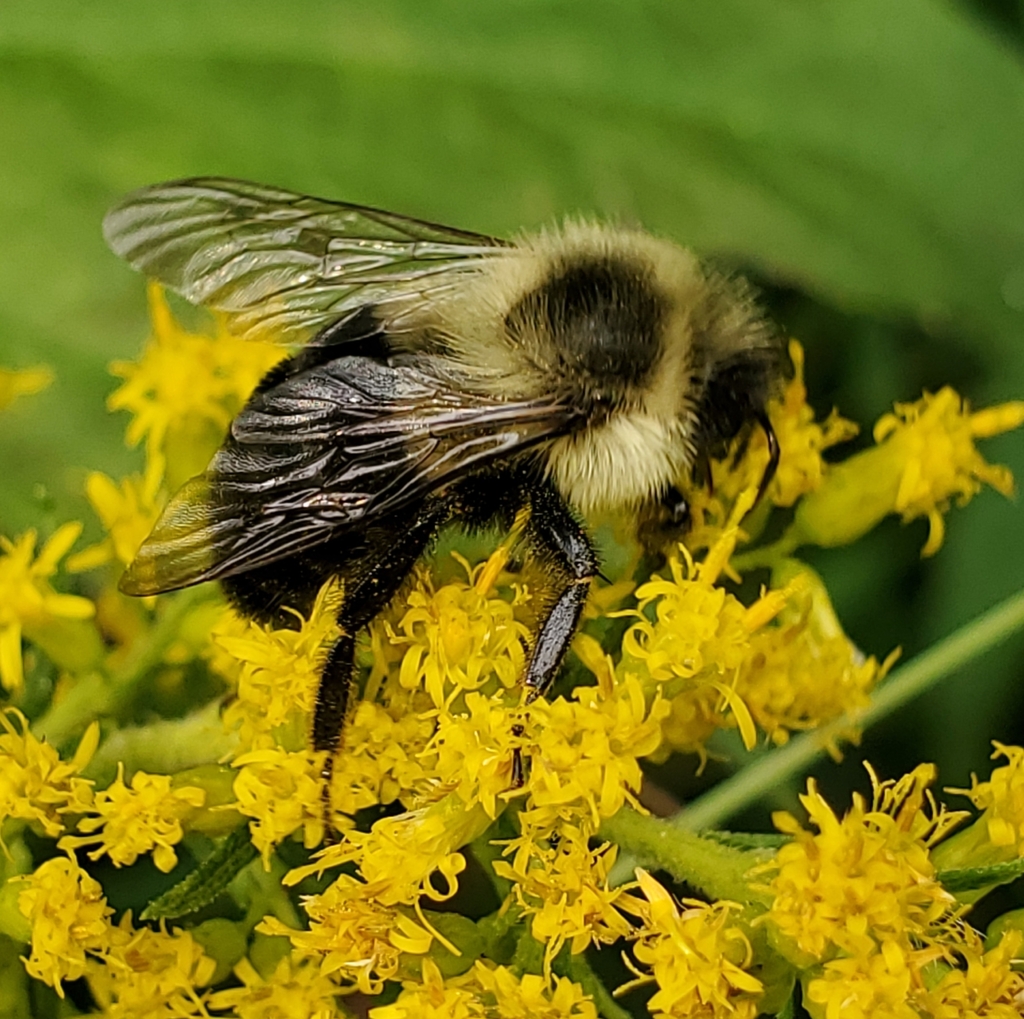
280, 790
877, 985
151, 973
127, 511
382, 758
696, 645
562, 884
407, 856
461, 635
1002, 799
186, 388
805, 670
358, 940
15, 382
35, 784
131, 821
279, 675
27, 601
295, 990
69, 917
864, 879
925, 458
986, 986
487, 992
698, 957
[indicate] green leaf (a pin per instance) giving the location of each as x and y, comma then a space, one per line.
969, 879
201, 886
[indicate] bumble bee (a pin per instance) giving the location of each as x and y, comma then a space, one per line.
448, 377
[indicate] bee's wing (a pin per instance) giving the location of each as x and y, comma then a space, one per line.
331, 449
282, 262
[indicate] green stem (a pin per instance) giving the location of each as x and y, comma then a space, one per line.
577, 969
719, 871
98, 694
778, 766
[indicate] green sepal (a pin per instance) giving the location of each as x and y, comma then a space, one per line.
969, 879
201, 886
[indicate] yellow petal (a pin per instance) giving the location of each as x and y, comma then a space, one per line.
743, 717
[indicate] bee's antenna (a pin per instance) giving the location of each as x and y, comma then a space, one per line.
774, 452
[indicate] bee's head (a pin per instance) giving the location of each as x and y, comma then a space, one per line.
736, 367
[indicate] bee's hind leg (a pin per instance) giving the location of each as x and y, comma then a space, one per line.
562, 543
370, 588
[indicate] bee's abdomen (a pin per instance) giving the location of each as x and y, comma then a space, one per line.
603, 318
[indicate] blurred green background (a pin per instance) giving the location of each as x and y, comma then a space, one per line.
862, 160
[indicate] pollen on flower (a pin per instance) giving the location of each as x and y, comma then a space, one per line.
69, 918
27, 600
864, 879
186, 387
698, 955
358, 941
130, 821
35, 784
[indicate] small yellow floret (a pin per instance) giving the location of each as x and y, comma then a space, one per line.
69, 918
699, 958
131, 821
27, 600
488, 992
127, 511
279, 674
358, 941
35, 784
1002, 799
295, 990
280, 790
151, 973
864, 879
186, 387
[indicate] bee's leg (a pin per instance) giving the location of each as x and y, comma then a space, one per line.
369, 592
561, 541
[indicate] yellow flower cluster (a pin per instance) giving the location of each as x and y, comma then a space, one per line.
439, 733
130, 821
699, 956
130, 972
186, 388
488, 993
28, 604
